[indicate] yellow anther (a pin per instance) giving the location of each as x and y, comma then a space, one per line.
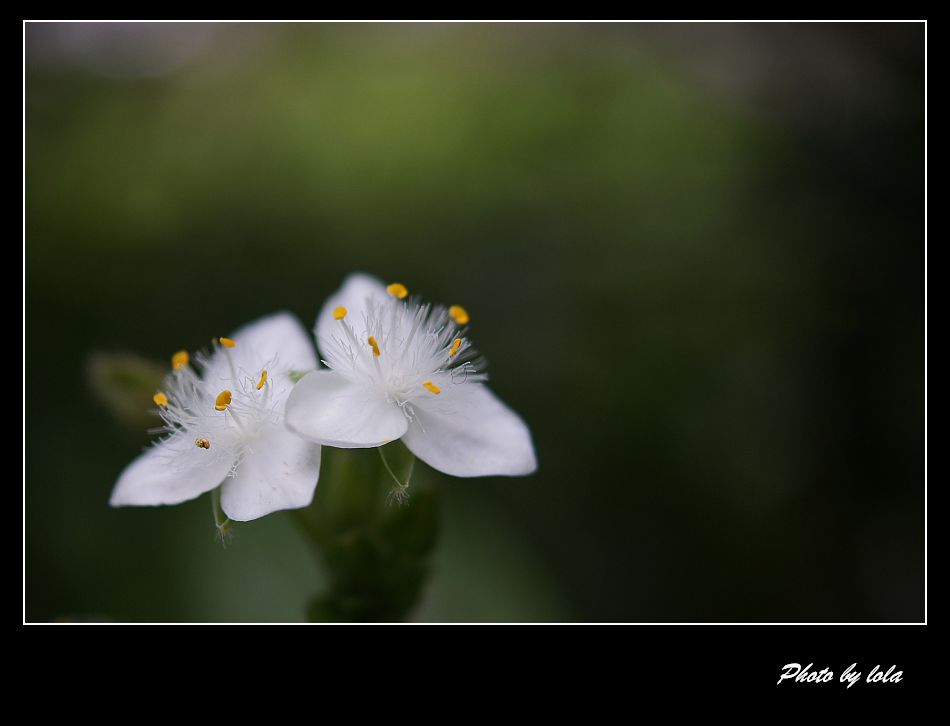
455, 347
180, 359
202, 443
160, 399
222, 401
339, 313
260, 384
226, 342
459, 315
432, 388
373, 344
397, 289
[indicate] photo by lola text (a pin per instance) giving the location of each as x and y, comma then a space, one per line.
795, 673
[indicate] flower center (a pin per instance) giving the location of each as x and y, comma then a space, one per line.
232, 416
410, 351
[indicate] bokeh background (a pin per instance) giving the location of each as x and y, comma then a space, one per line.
693, 255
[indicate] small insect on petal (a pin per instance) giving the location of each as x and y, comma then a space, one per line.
180, 359
373, 345
432, 388
459, 315
260, 384
160, 399
397, 289
339, 313
227, 342
202, 443
222, 401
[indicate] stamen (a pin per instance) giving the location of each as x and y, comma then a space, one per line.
263, 380
160, 399
373, 344
339, 313
432, 388
222, 401
397, 289
459, 315
455, 347
351, 337
421, 314
227, 354
180, 359
202, 443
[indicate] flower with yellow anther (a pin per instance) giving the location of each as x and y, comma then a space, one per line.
399, 368
397, 290
459, 315
225, 427
222, 401
180, 359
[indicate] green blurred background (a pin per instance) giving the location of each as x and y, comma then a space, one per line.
693, 255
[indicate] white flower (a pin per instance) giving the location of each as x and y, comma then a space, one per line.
226, 427
400, 369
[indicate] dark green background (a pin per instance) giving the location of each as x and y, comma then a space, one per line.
693, 255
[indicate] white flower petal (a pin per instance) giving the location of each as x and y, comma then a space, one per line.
327, 408
278, 337
279, 472
472, 434
172, 471
353, 295
280, 334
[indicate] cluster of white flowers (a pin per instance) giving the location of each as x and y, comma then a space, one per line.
396, 369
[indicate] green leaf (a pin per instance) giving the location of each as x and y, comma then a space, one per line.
125, 383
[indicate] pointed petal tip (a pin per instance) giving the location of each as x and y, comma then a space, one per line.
481, 436
353, 294
280, 334
282, 473
150, 479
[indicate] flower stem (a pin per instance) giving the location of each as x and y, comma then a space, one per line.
373, 559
